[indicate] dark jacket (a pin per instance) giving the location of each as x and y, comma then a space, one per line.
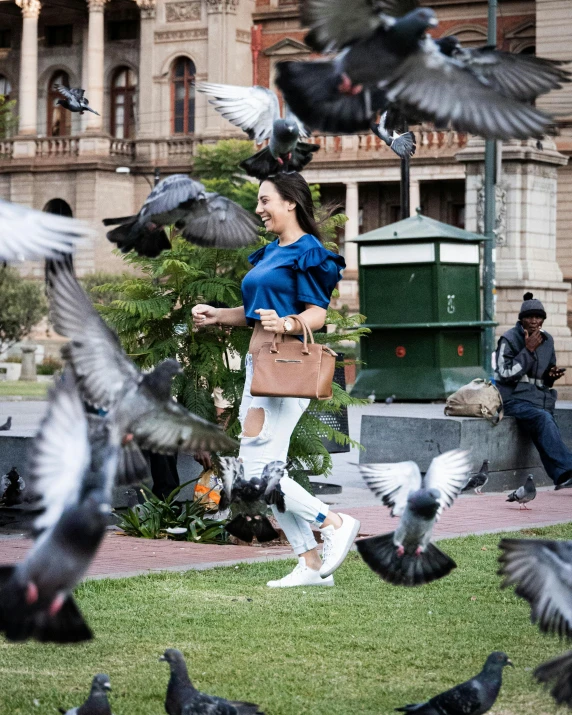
523, 375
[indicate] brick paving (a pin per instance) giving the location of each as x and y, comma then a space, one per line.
126, 556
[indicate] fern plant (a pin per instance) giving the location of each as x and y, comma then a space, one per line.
151, 313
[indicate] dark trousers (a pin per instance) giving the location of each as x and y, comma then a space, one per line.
163, 468
540, 425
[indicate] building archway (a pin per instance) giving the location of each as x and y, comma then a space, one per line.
59, 118
59, 207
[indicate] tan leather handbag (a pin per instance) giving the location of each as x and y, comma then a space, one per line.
480, 398
294, 369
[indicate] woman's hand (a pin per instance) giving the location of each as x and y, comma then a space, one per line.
270, 320
204, 315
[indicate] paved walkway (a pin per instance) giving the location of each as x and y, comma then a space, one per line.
126, 556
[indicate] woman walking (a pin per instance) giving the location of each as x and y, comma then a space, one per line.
293, 275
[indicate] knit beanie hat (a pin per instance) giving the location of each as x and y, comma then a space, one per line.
531, 306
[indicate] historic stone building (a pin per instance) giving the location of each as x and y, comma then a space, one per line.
138, 60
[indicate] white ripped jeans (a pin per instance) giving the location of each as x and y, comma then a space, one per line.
281, 415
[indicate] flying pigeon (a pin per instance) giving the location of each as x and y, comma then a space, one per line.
559, 670
11, 488
403, 145
541, 570
74, 99
28, 235
204, 218
406, 556
524, 494
251, 499
474, 697
395, 62
139, 404
7, 426
256, 111
184, 699
477, 481
74, 481
97, 702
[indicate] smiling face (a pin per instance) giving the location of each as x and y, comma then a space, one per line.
276, 214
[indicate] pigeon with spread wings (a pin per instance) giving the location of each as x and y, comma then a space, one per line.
251, 499
73, 479
204, 218
74, 101
27, 235
257, 112
140, 404
406, 556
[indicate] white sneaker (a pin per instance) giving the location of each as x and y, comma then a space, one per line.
337, 543
302, 576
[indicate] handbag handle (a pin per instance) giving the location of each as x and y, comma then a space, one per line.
307, 333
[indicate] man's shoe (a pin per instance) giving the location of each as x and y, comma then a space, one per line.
302, 576
337, 543
565, 483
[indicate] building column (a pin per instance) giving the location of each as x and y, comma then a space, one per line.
352, 225
95, 66
145, 125
414, 196
221, 25
28, 90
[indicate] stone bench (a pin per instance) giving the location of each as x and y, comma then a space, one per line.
421, 432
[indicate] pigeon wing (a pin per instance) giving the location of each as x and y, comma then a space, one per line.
27, 234
168, 195
336, 23
442, 90
541, 570
218, 222
171, 427
98, 360
392, 482
521, 77
463, 698
448, 473
61, 453
252, 109
232, 470
67, 92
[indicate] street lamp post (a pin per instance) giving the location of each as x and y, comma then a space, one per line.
490, 181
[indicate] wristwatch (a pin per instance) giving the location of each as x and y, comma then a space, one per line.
287, 325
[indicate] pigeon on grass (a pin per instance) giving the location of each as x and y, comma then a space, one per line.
97, 702
256, 111
28, 235
74, 480
406, 556
541, 571
204, 218
251, 499
524, 494
184, 699
11, 488
557, 674
474, 697
74, 101
139, 404
477, 481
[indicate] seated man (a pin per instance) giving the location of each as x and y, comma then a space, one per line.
524, 374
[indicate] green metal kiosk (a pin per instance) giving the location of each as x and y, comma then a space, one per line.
419, 287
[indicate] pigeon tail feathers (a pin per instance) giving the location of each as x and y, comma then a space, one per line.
559, 670
132, 467
404, 145
261, 165
145, 242
380, 554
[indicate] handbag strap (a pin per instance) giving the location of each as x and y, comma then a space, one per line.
306, 332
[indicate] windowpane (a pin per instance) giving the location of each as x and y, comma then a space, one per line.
58, 35
183, 96
5, 38
123, 103
5, 87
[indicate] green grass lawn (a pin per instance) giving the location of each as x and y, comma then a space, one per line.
362, 647
26, 390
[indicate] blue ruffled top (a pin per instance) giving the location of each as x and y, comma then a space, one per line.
285, 278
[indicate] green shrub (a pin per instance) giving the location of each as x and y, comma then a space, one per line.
22, 306
49, 366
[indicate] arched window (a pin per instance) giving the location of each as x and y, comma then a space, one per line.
183, 96
123, 88
59, 207
59, 119
5, 87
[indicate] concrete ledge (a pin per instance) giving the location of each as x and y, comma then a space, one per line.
422, 432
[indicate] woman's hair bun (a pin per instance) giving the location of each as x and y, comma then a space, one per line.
528, 296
